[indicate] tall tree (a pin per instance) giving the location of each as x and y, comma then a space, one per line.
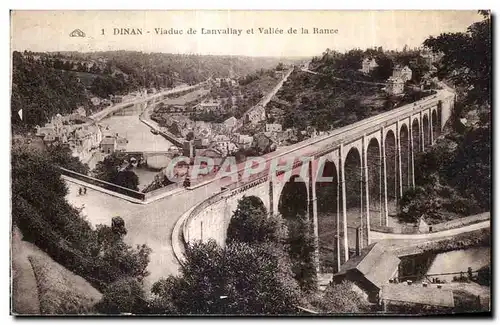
467, 59
240, 279
251, 224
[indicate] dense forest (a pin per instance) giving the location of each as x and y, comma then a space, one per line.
42, 92
44, 84
45, 218
454, 176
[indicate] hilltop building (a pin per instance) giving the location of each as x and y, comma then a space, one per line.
395, 85
368, 65
404, 73
255, 115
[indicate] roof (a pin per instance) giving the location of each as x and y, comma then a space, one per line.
231, 120
108, 141
395, 80
374, 262
431, 296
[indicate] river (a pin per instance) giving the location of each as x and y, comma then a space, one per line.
459, 261
126, 123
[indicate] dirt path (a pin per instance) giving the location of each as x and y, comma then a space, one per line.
25, 299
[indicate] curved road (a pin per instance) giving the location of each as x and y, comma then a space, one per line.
376, 236
149, 224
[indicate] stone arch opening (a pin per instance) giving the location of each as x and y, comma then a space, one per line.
426, 132
391, 171
249, 210
327, 195
354, 195
415, 133
293, 199
440, 115
404, 145
374, 169
436, 130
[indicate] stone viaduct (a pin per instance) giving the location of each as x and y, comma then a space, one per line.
355, 173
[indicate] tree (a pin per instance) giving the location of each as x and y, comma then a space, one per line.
420, 202
111, 170
251, 224
45, 218
61, 156
239, 279
384, 68
456, 172
302, 250
125, 295
467, 59
128, 179
340, 299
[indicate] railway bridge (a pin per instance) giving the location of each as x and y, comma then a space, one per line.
345, 182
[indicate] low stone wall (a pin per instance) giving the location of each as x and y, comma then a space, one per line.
457, 223
207, 220
103, 184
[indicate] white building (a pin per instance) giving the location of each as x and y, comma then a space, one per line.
231, 122
368, 65
404, 73
255, 115
395, 85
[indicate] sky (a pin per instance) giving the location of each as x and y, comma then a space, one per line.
42, 31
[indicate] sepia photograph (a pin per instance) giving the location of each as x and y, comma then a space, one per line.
250, 163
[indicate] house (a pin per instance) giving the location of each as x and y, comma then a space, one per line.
369, 271
202, 143
395, 85
210, 105
113, 143
404, 73
221, 138
108, 144
216, 156
117, 99
121, 143
255, 115
273, 127
231, 122
368, 65
263, 144
423, 227
244, 141
420, 295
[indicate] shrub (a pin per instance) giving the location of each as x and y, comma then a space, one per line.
122, 296
250, 223
239, 279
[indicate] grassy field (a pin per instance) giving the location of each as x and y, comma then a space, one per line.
42, 286
61, 291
